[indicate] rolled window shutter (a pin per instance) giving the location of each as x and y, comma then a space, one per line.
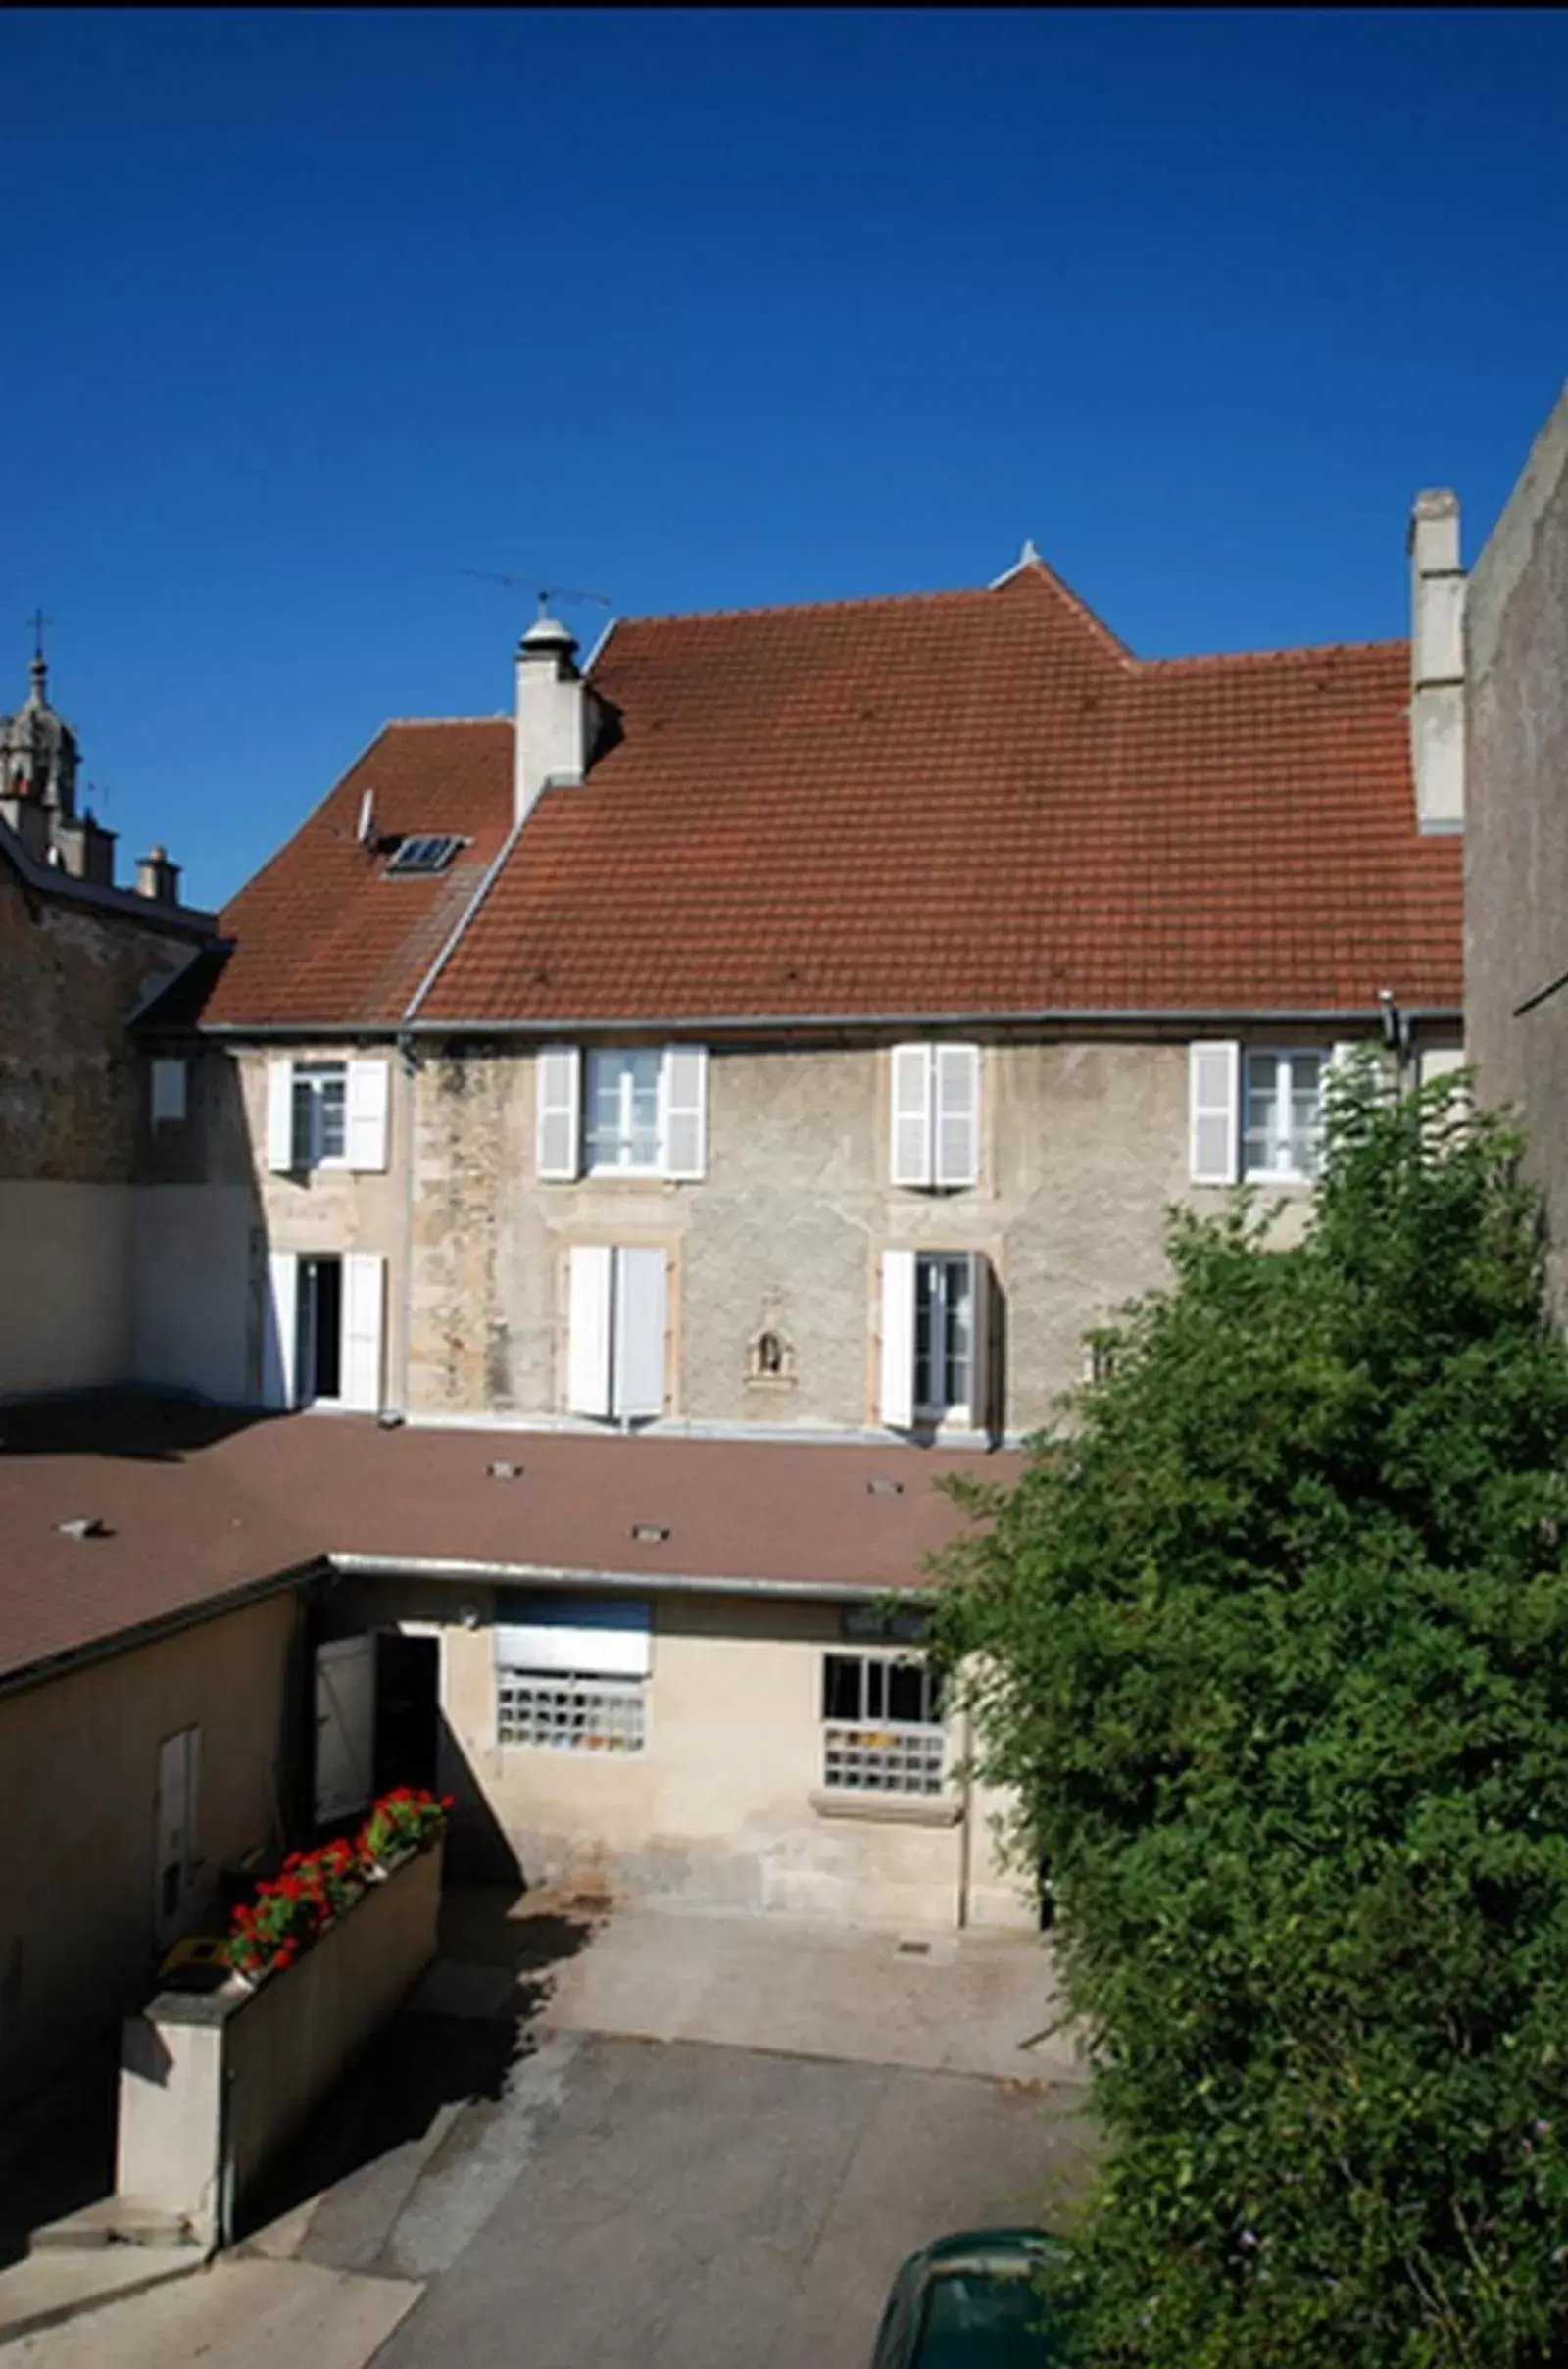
639, 1333
363, 1300
912, 1115
280, 1116
1215, 1072
557, 1079
982, 1284
896, 1407
957, 1114
367, 1107
279, 1320
684, 1088
590, 1275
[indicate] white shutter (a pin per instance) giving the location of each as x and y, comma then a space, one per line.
1214, 1110
898, 1340
639, 1331
590, 1274
556, 1078
683, 1087
980, 1291
279, 1320
912, 1115
1439, 1060
957, 1114
363, 1295
366, 1104
280, 1116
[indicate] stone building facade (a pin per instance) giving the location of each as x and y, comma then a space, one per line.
79, 957
1516, 855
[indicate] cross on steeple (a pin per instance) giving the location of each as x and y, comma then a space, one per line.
37, 622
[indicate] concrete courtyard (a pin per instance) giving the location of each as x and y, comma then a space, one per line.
640, 2138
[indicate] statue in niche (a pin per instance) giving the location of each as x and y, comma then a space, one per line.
771, 1357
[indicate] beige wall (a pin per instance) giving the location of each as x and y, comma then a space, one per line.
1084, 1144
1516, 831
79, 1773
66, 1320
719, 1808
328, 1209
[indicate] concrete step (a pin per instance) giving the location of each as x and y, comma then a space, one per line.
50, 2288
115, 2221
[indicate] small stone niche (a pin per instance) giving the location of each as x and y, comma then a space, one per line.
771, 1353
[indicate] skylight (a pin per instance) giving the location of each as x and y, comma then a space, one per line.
426, 852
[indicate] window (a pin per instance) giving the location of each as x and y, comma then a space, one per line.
616, 1326
624, 1100
642, 1110
571, 1672
169, 1092
319, 1137
424, 852
1284, 1113
936, 1116
1257, 1114
944, 1336
882, 1725
318, 1331
326, 1114
324, 1324
935, 1339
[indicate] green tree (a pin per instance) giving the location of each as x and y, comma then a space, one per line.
1271, 1643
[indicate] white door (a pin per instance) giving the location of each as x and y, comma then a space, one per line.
179, 1765
345, 1727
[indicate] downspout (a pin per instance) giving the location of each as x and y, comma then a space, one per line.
965, 1824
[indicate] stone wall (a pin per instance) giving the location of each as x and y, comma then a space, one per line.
1083, 1145
1516, 831
73, 1121
72, 1084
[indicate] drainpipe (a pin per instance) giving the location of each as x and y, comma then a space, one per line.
409, 1067
965, 1843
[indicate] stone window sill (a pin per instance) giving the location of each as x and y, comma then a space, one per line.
888, 1809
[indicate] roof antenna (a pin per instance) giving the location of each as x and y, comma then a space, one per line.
544, 594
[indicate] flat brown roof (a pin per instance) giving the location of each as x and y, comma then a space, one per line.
198, 1506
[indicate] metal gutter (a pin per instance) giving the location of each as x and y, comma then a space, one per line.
718, 1023
556, 1575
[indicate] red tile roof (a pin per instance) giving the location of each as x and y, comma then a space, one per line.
196, 1512
322, 933
973, 803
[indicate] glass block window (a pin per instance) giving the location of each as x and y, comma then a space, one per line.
882, 1725
571, 1714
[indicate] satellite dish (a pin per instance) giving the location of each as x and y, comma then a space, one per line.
364, 828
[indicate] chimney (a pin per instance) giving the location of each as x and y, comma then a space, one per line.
86, 850
157, 877
1436, 661
553, 720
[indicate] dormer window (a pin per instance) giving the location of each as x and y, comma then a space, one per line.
424, 852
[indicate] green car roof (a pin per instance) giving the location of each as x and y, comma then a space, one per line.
968, 2301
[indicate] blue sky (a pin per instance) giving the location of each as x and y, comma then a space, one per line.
308, 311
